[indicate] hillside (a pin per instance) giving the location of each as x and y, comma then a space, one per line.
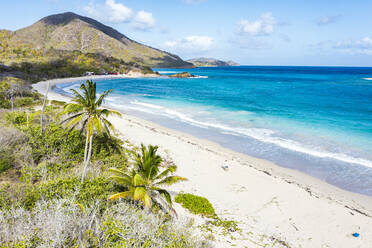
72, 32
205, 62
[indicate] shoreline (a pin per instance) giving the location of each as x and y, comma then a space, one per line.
268, 199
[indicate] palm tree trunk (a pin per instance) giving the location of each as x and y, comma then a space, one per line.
88, 159
42, 110
86, 147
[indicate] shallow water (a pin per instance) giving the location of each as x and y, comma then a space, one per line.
314, 119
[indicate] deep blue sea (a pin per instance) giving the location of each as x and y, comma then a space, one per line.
317, 120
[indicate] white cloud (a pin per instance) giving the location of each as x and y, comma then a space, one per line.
325, 20
198, 42
263, 26
362, 46
194, 42
111, 11
144, 20
170, 44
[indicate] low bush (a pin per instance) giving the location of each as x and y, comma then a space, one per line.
13, 148
6, 198
16, 118
58, 103
95, 189
196, 204
4, 103
64, 223
55, 141
105, 145
226, 225
23, 102
118, 161
6, 161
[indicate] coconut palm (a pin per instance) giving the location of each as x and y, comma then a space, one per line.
144, 182
86, 112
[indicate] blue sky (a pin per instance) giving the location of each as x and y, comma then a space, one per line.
251, 32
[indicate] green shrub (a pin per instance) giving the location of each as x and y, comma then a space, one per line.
118, 161
4, 165
16, 118
55, 141
105, 145
23, 102
58, 103
196, 204
4, 103
6, 161
92, 190
6, 198
227, 225
46, 170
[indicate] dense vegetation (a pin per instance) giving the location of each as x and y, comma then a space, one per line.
16, 93
43, 202
122, 200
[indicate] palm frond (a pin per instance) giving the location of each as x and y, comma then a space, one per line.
125, 194
166, 172
72, 117
165, 194
108, 125
102, 97
97, 123
122, 180
138, 180
171, 180
75, 120
117, 172
139, 193
147, 201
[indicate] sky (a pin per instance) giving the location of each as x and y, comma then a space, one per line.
250, 32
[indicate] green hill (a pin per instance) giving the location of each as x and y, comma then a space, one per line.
71, 32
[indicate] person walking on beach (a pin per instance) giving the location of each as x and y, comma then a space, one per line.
225, 166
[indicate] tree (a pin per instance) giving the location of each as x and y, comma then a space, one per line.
86, 112
144, 181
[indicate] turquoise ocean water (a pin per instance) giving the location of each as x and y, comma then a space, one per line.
317, 120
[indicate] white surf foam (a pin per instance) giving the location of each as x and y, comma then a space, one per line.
197, 76
261, 134
267, 136
149, 105
167, 72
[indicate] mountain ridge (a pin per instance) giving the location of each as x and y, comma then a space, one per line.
211, 62
69, 31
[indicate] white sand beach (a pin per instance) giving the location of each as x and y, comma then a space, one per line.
273, 205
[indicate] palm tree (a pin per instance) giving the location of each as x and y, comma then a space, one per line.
144, 181
86, 112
